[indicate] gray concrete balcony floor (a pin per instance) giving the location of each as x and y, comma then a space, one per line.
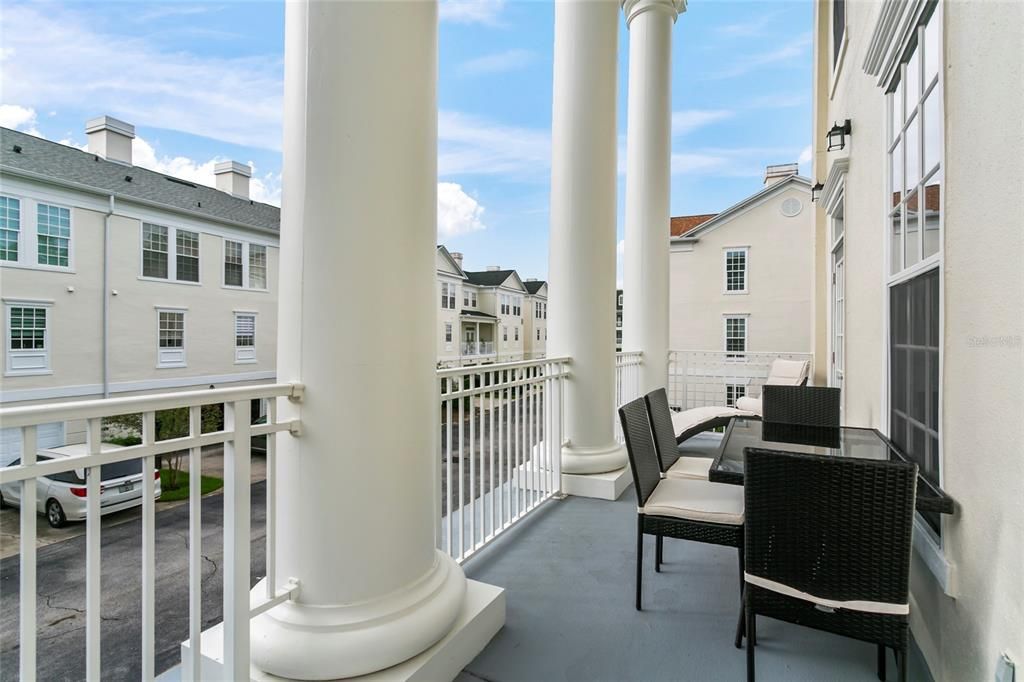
568, 570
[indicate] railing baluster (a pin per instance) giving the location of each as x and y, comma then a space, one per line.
462, 471
236, 540
27, 577
271, 521
472, 467
195, 546
449, 483
93, 595
148, 546
490, 421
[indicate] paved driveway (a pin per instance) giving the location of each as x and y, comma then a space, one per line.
60, 609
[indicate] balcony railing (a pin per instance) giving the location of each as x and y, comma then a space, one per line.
500, 448
627, 382
478, 348
697, 378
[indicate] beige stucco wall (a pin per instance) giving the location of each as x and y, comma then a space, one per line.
779, 280
963, 633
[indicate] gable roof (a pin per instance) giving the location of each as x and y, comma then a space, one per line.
680, 225
491, 278
532, 287
48, 161
728, 214
457, 270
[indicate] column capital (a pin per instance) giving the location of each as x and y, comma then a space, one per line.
631, 8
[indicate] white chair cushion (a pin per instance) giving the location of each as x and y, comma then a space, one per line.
686, 498
690, 467
688, 419
749, 404
788, 372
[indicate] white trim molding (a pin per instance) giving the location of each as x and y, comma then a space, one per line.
893, 32
835, 182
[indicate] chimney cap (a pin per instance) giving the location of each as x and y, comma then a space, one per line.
493, 268
781, 170
232, 167
100, 123
531, 279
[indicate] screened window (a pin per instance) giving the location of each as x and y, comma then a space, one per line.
232, 263
735, 336
914, 373
53, 230
187, 256
736, 270
257, 266
915, 153
10, 228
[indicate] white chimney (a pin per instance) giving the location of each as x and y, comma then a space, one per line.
457, 257
531, 279
493, 268
233, 178
773, 174
110, 138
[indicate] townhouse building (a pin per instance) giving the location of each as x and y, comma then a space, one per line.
918, 306
741, 280
117, 280
535, 319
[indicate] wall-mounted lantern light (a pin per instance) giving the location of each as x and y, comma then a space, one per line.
837, 136
816, 192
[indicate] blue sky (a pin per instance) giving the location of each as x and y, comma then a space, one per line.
202, 83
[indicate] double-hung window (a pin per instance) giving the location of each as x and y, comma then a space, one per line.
170, 253
170, 330
736, 271
53, 235
734, 392
735, 336
538, 333
27, 339
517, 333
448, 332
10, 228
245, 265
245, 338
447, 296
914, 230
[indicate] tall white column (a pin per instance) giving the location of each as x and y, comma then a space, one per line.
582, 253
356, 489
645, 308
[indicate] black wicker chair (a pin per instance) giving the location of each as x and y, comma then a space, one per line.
677, 508
801, 405
672, 464
828, 542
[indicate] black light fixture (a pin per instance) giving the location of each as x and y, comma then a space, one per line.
816, 192
837, 136
16, 149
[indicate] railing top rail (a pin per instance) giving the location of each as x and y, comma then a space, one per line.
742, 353
629, 353
499, 366
30, 415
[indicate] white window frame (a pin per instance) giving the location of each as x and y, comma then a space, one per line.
18, 231
837, 294
41, 355
245, 355
172, 255
745, 250
245, 265
732, 354
516, 332
28, 235
170, 358
738, 391
448, 335
837, 59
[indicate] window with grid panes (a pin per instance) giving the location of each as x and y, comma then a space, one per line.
245, 331
172, 329
736, 270
735, 336
27, 328
187, 256
734, 392
257, 266
154, 251
53, 229
232, 263
10, 228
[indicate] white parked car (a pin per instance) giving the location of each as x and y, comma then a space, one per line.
62, 497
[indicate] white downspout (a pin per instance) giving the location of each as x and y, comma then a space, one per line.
106, 298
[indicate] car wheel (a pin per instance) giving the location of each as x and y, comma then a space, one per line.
55, 514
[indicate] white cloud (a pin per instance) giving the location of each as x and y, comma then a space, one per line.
746, 63
805, 155
745, 29
473, 145
696, 163
19, 118
498, 62
235, 99
457, 212
472, 11
688, 120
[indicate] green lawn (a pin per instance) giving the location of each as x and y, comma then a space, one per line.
168, 494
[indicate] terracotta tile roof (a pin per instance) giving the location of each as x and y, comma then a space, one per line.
680, 225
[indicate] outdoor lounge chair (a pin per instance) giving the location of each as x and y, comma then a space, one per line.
687, 509
781, 373
828, 543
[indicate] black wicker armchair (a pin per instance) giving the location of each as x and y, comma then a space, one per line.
828, 542
687, 509
801, 405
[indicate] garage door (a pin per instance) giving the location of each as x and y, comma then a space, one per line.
47, 436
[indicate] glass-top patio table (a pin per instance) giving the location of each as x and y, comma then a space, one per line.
844, 441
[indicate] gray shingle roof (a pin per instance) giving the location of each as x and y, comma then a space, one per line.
488, 278
534, 286
62, 163
477, 313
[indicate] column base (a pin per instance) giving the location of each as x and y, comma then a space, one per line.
593, 460
605, 486
481, 617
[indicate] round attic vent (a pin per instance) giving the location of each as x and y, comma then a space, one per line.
791, 207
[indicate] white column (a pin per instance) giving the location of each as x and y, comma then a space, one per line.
355, 508
645, 309
582, 253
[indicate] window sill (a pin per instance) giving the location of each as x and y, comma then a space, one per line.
143, 278
246, 362
736, 293
177, 366
44, 268
928, 547
234, 288
28, 373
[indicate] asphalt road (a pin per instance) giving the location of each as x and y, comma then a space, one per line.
60, 611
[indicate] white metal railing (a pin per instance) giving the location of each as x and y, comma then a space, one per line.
235, 437
699, 378
627, 383
499, 451
478, 348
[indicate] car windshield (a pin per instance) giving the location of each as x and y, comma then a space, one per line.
130, 467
